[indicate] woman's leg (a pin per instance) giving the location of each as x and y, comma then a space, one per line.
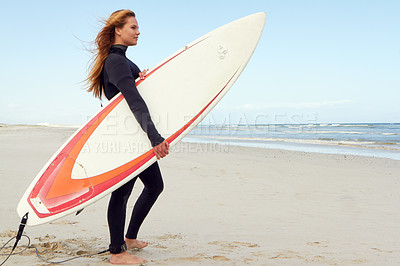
116, 214
153, 186
116, 220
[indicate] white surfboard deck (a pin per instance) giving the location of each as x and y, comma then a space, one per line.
111, 148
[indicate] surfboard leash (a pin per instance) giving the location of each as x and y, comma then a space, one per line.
20, 235
17, 238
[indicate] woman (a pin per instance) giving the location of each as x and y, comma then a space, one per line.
111, 73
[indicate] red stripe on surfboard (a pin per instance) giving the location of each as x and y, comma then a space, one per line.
55, 207
55, 166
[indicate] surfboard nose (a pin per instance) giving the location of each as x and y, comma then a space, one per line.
260, 18
253, 24
261, 15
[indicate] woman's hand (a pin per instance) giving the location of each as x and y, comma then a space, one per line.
161, 150
143, 74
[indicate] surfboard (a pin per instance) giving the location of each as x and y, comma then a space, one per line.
111, 148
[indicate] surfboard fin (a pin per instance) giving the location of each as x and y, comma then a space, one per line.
78, 212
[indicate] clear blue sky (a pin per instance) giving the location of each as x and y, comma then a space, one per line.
317, 61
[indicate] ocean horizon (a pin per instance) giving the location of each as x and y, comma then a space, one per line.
365, 139
380, 140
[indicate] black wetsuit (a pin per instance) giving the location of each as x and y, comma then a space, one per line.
118, 75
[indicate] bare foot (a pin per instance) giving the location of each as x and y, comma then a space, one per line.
125, 258
134, 243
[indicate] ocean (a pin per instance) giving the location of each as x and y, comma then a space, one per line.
366, 139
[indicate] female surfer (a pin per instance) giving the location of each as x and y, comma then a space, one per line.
111, 72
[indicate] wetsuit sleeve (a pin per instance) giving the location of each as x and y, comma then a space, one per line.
120, 75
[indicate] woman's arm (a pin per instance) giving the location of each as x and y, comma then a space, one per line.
120, 75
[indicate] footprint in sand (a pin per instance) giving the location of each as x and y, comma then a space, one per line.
220, 258
383, 251
64, 222
318, 244
199, 258
169, 236
50, 247
8, 233
45, 238
287, 254
233, 245
159, 246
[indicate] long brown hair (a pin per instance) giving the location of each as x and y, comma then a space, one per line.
103, 42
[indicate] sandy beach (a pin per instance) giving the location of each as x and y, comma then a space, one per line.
223, 205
